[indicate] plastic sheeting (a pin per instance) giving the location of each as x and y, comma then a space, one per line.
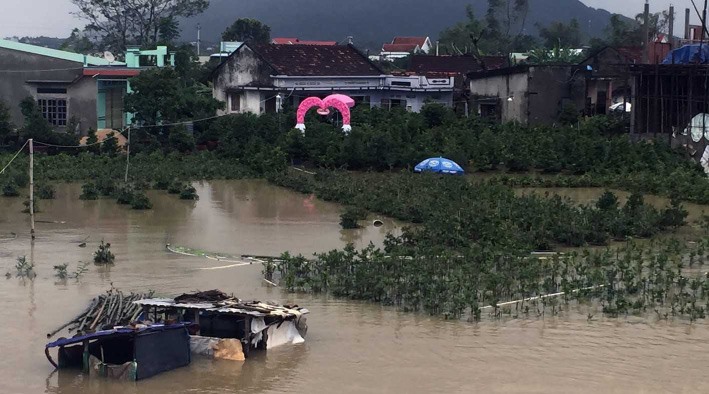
698, 127
258, 325
125, 371
689, 54
705, 160
227, 349
282, 334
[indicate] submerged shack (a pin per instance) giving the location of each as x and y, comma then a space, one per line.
126, 353
226, 327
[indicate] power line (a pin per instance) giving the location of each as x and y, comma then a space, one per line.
83, 146
14, 157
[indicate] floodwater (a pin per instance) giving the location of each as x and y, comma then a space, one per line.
589, 196
351, 347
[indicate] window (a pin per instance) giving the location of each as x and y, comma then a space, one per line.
54, 110
51, 90
392, 103
234, 102
361, 100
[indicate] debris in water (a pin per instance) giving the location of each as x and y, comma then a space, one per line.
8, 237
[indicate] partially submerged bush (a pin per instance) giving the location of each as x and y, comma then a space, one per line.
349, 218
162, 183
35, 206
124, 195
103, 255
61, 271
175, 187
189, 193
24, 268
106, 186
10, 190
140, 201
46, 191
89, 191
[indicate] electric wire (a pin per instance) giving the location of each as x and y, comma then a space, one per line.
14, 157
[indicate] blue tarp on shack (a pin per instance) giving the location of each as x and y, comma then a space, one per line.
689, 54
126, 352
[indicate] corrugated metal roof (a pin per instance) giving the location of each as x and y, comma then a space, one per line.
56, 53
117, 331
227, 307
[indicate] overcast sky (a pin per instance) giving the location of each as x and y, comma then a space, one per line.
53, 18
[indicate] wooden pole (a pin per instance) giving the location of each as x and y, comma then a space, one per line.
125, 180
32, 187
646, 33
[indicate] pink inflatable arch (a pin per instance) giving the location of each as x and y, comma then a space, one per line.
339, 102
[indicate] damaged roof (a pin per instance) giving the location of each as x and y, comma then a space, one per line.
316, 60
229, 306
454, 64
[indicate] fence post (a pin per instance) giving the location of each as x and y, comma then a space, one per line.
31, 141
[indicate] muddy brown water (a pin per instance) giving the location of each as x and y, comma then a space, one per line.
352, 347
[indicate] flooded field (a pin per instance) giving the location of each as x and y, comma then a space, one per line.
351, 347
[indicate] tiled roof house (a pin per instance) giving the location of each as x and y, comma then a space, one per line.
259, 78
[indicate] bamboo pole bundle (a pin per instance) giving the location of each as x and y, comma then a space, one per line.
109, 309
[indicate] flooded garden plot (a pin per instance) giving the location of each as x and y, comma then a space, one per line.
353, 346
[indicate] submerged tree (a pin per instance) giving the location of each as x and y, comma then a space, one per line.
103, 254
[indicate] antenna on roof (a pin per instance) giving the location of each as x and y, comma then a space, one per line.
109, 57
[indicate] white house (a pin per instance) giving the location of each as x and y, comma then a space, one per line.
401, 47
261, 78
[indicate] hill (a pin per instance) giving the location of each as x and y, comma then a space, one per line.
372, 22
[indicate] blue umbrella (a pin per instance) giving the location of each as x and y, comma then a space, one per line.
439, 165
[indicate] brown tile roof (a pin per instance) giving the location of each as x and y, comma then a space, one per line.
420, 41
399, 47
297, 41
616, 55
283, 40
316, 60
423, 64
631, 54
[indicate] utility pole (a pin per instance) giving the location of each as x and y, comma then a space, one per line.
199, 39
125, 180
704, 22
31, 141
672, 27
646, 33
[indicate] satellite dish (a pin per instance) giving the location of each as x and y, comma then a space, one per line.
109, 57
